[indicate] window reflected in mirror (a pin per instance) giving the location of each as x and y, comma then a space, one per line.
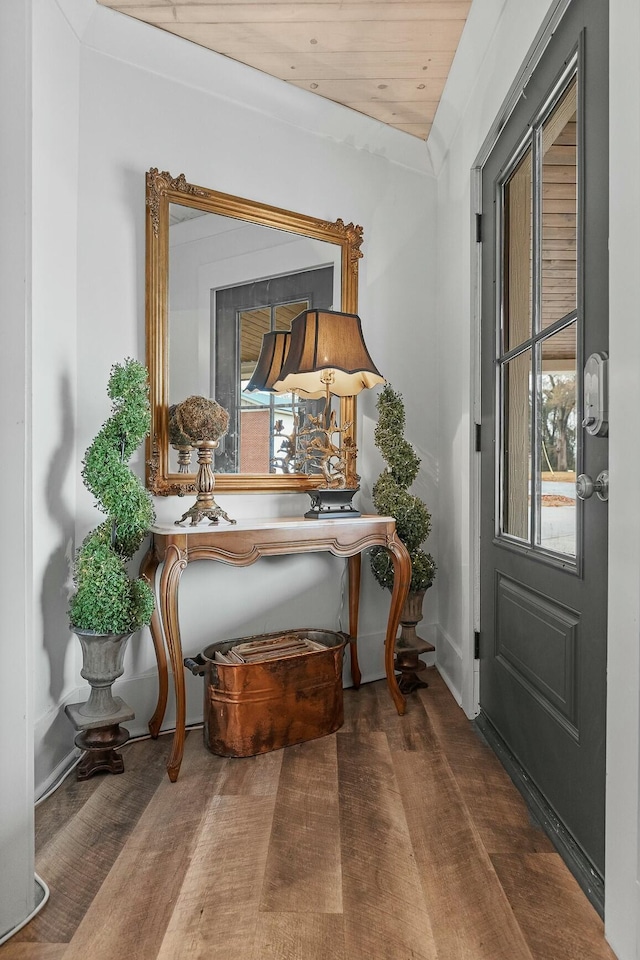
262, 425
216, 329
267, 420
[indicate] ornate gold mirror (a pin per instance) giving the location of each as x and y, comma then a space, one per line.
222, 272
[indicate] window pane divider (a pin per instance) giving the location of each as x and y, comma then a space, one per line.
539, 335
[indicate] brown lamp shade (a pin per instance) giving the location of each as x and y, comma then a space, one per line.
273, 353
323, 340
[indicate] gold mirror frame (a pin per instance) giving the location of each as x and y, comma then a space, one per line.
163, 189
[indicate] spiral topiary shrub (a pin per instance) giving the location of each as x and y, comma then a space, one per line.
391, 497
107, 600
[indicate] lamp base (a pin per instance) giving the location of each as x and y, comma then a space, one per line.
329, 503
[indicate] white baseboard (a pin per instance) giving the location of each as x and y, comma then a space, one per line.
449, 661
54, 749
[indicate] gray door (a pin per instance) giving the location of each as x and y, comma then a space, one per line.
544, 312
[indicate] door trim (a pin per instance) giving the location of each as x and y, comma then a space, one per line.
587, 875
538, 47
516, 91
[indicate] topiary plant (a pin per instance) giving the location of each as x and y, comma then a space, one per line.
107, 600
391, 499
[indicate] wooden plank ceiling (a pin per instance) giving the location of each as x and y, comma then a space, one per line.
388, 59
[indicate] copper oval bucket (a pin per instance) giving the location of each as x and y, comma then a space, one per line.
264, 704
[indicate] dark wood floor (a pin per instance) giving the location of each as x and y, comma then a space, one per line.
398, 838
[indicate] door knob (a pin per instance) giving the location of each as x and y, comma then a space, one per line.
586, 487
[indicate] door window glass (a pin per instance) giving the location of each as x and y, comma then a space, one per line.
556, 463
539, 326
559, 210
516, 445
517, 280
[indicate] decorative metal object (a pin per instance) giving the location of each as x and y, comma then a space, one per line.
205, 507
284, 457
318, 446
329, 503
327, 353
254, 704
202, 422
184, 457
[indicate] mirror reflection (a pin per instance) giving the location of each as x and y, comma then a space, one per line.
230, 282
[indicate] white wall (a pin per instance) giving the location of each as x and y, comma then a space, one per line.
151, 99
55, 213
16, 641
494, 48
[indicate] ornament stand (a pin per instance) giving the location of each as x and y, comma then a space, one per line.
409, 646
205, 507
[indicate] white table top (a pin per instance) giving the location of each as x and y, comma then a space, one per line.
261, 523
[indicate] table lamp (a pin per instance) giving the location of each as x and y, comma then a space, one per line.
327, 355
273, 353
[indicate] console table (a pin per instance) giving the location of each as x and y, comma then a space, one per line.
242, 544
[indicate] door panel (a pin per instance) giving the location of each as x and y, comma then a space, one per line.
544, 310
545, 669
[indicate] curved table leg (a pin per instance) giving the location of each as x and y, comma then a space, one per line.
401, 580
355, 564
148, 569
174, 563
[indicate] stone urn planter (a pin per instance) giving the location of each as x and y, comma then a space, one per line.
102, 664
409, 645
99, 718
